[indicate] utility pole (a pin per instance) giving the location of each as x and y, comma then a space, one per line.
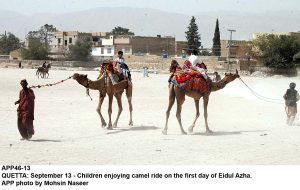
229, 45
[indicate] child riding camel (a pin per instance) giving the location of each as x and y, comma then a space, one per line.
121, 66
197, 64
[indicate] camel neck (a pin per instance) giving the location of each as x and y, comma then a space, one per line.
215, 86
96, 85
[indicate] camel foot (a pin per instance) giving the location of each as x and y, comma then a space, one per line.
103, 125
130, 123
115, 125
209, 131
183, 132
191, 129
110, 127
164, 132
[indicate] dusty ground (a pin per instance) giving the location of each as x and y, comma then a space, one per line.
246, 130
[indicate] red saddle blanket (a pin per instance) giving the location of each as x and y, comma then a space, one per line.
191, 81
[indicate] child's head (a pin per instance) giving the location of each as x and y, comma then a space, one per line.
292, 85
120, 54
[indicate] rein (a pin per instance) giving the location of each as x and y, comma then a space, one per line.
88, 90
266, 99
51, 84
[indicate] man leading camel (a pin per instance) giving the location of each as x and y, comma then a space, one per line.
25, 111
291, 97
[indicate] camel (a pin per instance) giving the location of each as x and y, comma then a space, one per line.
43, 71
105, 86
175, 92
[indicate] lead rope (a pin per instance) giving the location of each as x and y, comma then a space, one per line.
266, 99
51, 84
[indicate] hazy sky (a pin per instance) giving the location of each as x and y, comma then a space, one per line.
179, 6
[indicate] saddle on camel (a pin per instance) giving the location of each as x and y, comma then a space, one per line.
110, 68
188, 79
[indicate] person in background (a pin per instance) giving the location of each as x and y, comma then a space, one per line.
291, 97
145, 73
25, 111
44, 65
217, 77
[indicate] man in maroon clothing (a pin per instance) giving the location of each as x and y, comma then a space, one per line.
25, 111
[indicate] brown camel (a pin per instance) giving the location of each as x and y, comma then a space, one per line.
104, 86
175, 92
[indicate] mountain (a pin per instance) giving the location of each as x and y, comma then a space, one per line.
151, 22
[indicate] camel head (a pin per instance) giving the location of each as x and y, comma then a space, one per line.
81, 79
229, 77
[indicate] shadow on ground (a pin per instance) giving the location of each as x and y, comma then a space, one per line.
135, 128
223, 133
45, 140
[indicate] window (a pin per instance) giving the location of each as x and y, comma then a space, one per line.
66, 42
70, 40
59, 40
102, 51
108, 50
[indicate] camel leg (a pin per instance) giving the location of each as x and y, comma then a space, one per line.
103, 123
118, 96
205, 104
191, 128
180, 99
129, 99
110, 98
171, 103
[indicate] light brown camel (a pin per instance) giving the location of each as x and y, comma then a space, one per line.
175, 92
104, 86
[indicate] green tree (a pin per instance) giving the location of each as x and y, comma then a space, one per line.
38, 43
8, 43
276, 51
81, 51
45, 34
216, 41
192, 36
36, 50
121, 31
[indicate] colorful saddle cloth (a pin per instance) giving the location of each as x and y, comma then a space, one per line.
191, 81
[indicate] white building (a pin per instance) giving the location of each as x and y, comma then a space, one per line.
104, 50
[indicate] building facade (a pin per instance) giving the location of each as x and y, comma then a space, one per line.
236, 49
142, 45
123, 43
62, 40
